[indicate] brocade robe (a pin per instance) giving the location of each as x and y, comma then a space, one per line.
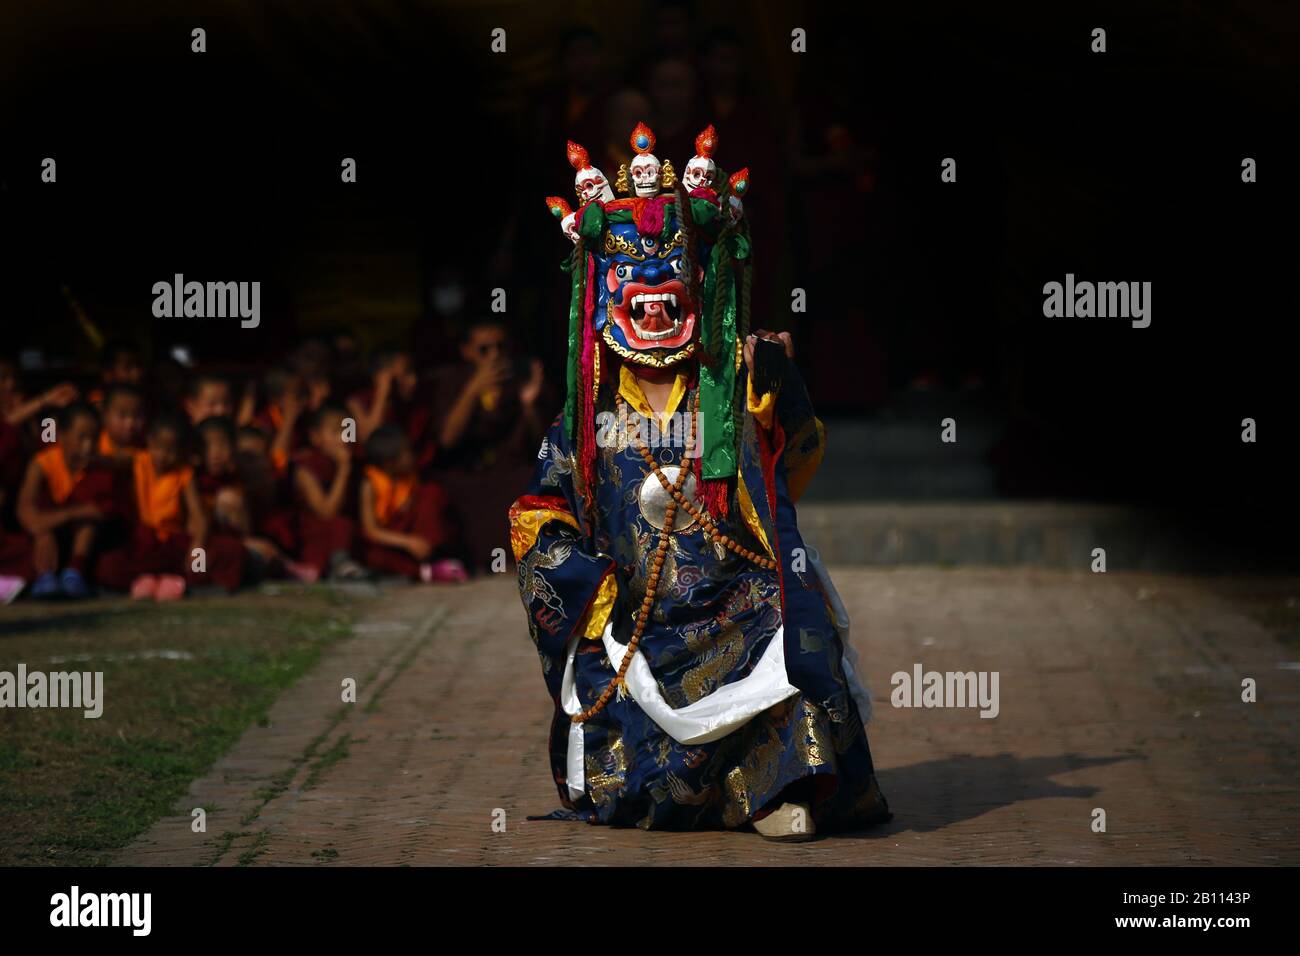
740, 687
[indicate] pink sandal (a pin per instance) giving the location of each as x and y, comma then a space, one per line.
171, 587
144, 588
444, 571
302, 572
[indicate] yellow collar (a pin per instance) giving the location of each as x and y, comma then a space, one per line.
630, 388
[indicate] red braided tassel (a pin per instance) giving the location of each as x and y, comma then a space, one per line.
715, 495
586, 406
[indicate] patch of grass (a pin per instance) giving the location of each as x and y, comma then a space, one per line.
257, 849
329, 758
73, 789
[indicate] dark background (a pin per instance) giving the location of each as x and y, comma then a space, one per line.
1123, 166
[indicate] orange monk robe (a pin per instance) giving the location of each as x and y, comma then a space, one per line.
90, 484
391, 494
406, 506
158, 495
159, 543
60, 480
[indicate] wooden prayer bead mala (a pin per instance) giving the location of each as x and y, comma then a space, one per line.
651, 586
706, 522
674, 489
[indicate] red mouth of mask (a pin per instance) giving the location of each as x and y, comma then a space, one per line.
655, 316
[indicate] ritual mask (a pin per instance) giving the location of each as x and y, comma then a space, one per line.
645, 306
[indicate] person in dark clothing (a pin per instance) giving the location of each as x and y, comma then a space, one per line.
488, 426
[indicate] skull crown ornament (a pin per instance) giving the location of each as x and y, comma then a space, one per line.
648, 254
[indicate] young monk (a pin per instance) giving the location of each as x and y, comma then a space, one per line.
217, 478
19, 421
283, 414
225, 498
120, 363
489, 426
123, 412
264, 475
209, 396
159, 559
391, 399
404, 524
15, 560
324, 488
66, 495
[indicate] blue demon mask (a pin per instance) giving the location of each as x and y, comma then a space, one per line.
646, 309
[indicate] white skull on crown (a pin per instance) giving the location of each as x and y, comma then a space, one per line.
590, 183
645, 169
568, 218
702, 170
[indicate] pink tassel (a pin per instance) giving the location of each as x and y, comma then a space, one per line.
650, 221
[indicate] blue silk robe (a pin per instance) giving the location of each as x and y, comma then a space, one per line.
744, 691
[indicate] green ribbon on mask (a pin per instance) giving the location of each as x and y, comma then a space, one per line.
718, 379
577, 266
590, 225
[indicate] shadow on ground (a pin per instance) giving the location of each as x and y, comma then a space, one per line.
929, 796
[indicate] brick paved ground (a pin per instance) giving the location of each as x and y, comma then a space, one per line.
1117, 691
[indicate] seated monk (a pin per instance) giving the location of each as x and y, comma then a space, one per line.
404, 522
169, 547
15, 559
65, 496
209, 396
394, 397
222, 491
123, 412
284, 414
264, 475
325, 495
488, 425
120, 363
20, 416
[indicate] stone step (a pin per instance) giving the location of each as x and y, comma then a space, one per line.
1036, 534
904, 458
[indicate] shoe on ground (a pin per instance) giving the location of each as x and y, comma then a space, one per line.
47, 586
444, 571
171, 587
788, 823
144, 588
10, 588
305, 573
348, 570
74, 585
